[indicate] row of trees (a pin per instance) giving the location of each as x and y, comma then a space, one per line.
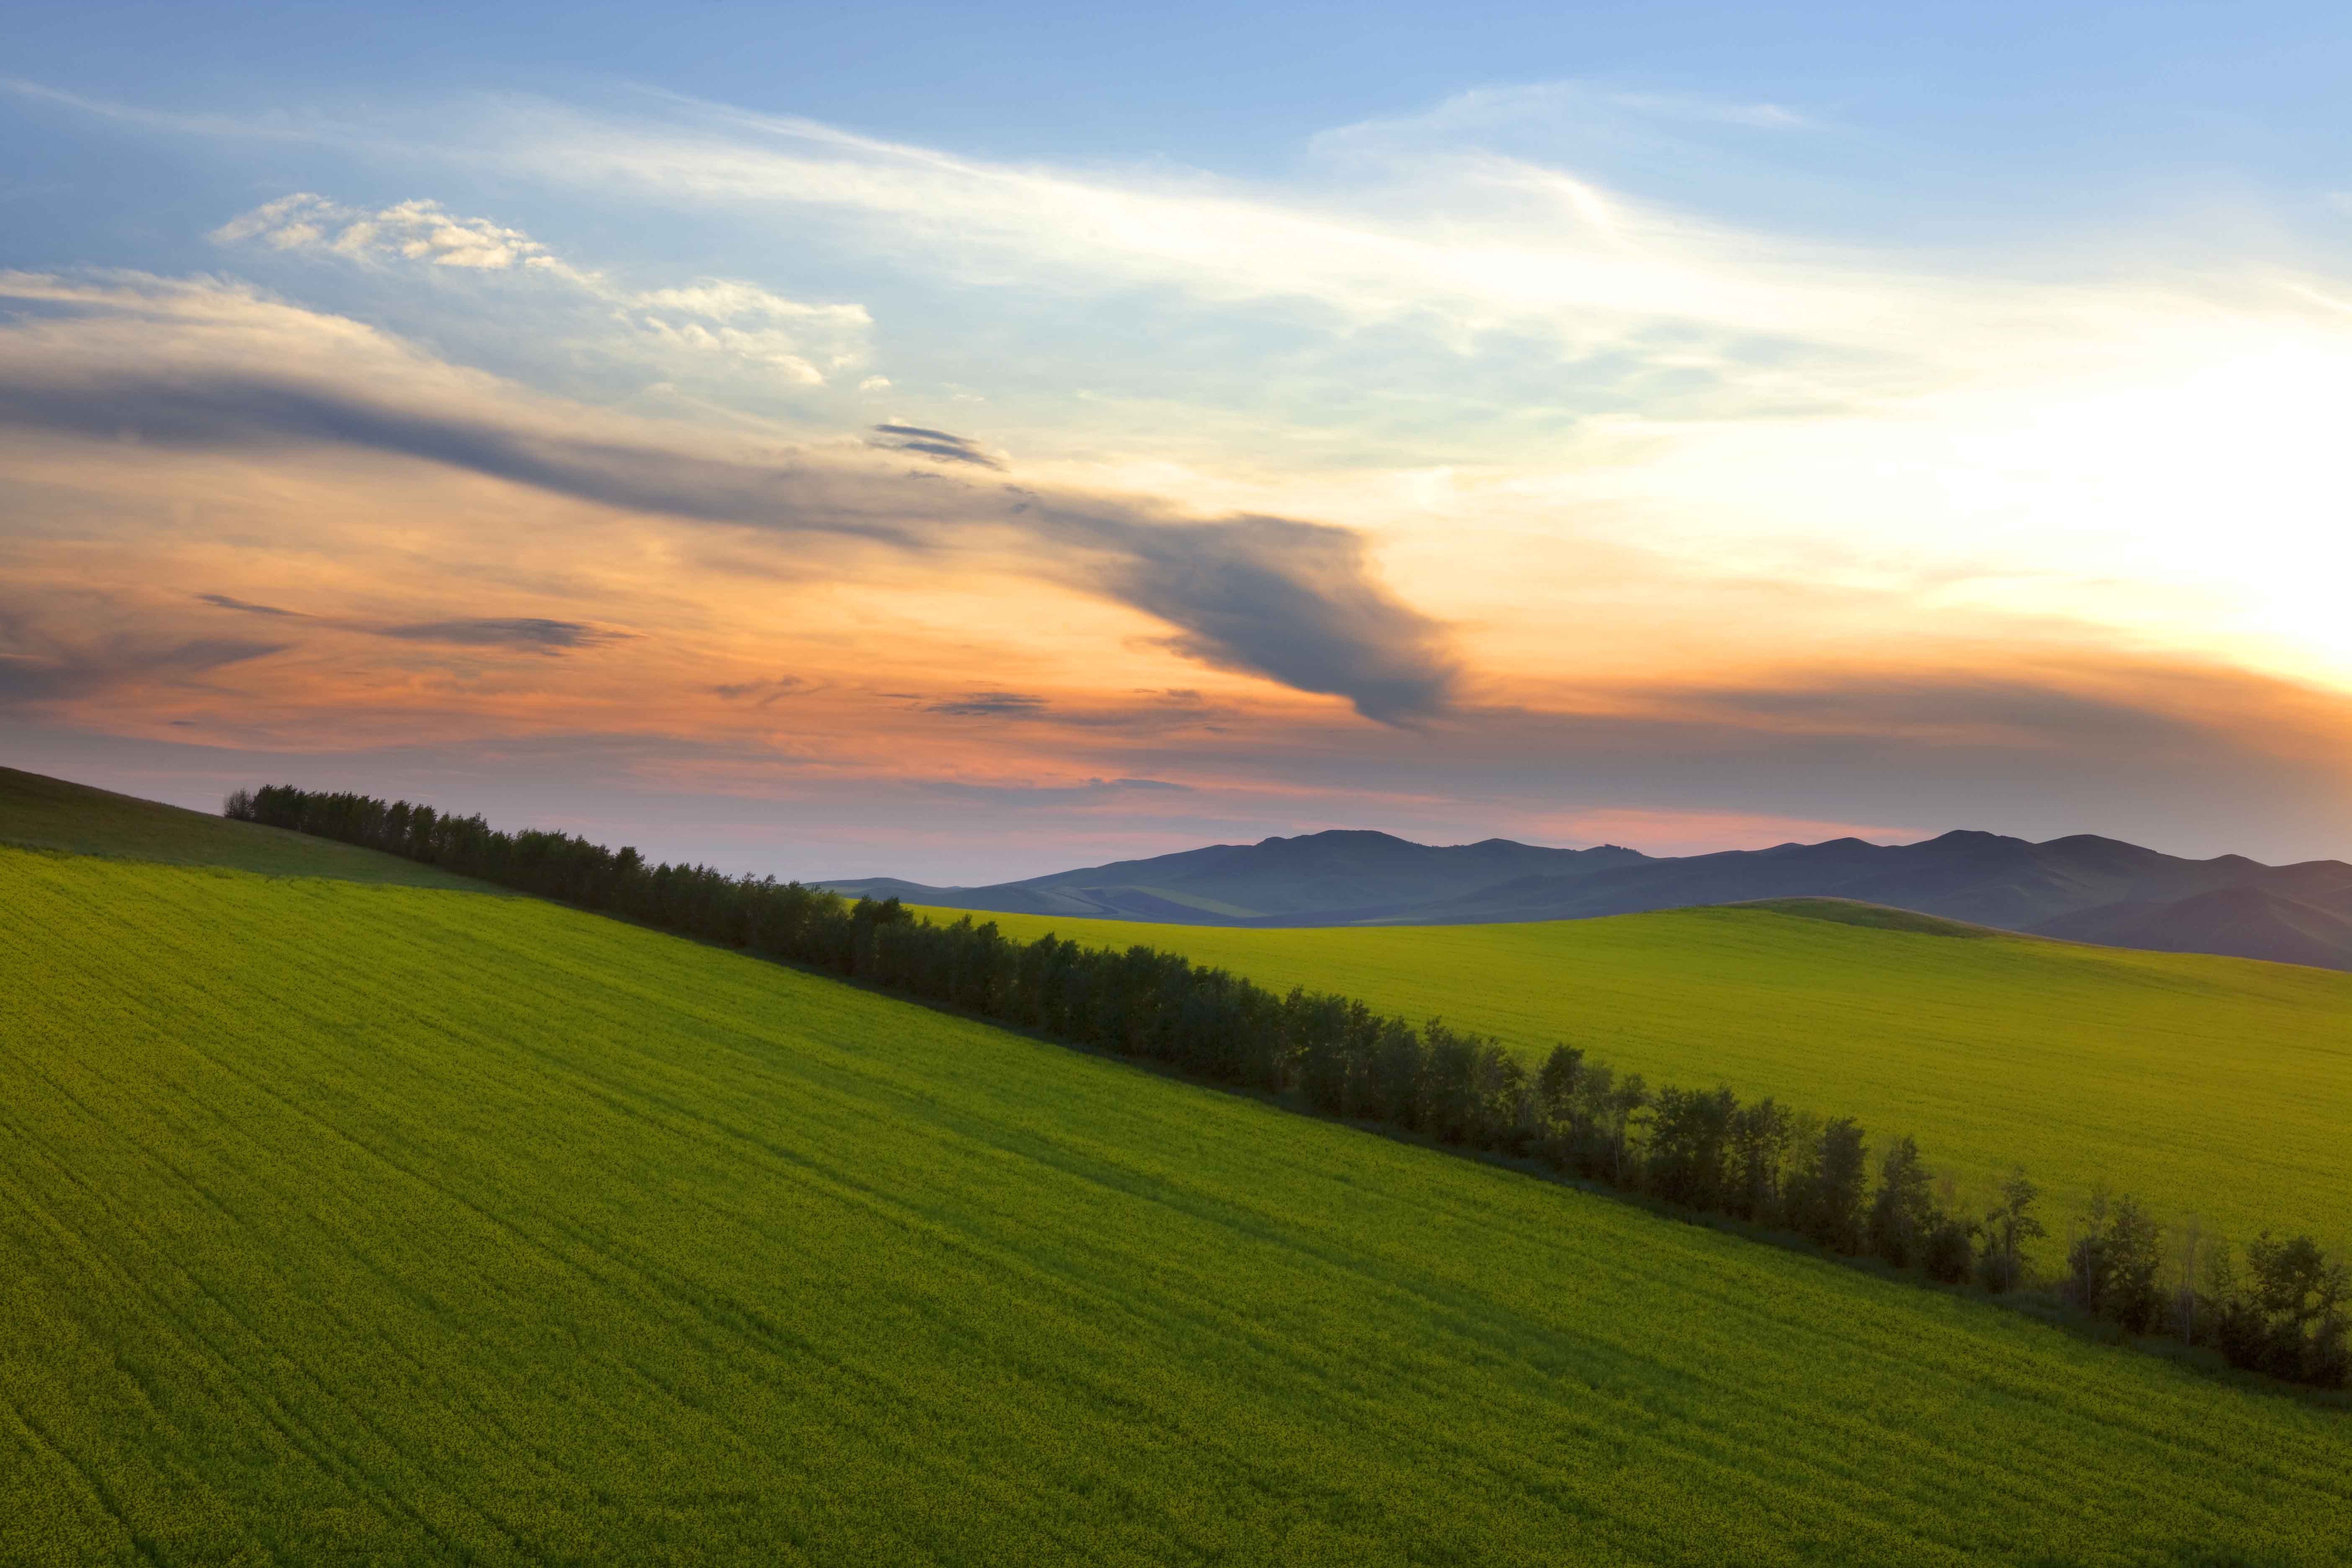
1763, 1163
2284, 1309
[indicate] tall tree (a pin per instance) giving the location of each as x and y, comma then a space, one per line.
1827, 1204
2010, 1227
2134, 1294
1905, 1207
1556, 1086
1760, 1138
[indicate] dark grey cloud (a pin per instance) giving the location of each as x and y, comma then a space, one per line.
225, 602
933, 444
531, 633
762, 693
239, 410
58, 673
1295, 602
988, 705
525, 632
1151, 713
1268, 596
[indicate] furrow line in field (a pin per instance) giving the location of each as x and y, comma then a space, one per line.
233, 1382
92, 1486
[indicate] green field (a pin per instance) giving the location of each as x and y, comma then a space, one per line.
2220, 1088
373, 1222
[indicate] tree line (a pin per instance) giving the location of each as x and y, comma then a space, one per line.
2283, 1308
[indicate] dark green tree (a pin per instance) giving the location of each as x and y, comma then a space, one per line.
1555, 1086
2135, 1293
1948, 1249
2289, 1316
1690, 1146
2010, 1227
1507, 1100
1628, 1120
1904, 1211
1761, 1137
1828, 1202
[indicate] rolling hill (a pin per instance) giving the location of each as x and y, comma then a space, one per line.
2213, 1087
1315, 879
2253, 922
2083, 888
342, 1221
41, 813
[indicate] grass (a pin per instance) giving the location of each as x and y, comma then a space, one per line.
2219, 1088
41, 813
1878, 917
353, 1223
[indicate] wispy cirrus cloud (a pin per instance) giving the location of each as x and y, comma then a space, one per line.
727, 318
1418, 223
414, 230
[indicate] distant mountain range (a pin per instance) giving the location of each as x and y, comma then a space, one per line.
2084, 888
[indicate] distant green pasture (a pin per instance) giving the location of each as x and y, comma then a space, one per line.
2219, 1088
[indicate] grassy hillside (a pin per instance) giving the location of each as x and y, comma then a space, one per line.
2218, 1087
343, 1222
41, 813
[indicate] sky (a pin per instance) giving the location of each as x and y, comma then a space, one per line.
960, 443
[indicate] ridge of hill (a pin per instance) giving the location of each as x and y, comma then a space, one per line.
1314, 879
2083, 888
380, 1223
1876, 917
2248, 921
38, 812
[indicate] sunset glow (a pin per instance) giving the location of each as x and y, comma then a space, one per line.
850, 498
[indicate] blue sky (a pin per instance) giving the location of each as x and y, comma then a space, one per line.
2048, 103
1967, 125
1688, 425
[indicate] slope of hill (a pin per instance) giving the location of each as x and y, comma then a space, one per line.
1877, 917
2084, 887
1984, 877
1317, 878
345, 1223
2211, 1087
2249, 922
41, 813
